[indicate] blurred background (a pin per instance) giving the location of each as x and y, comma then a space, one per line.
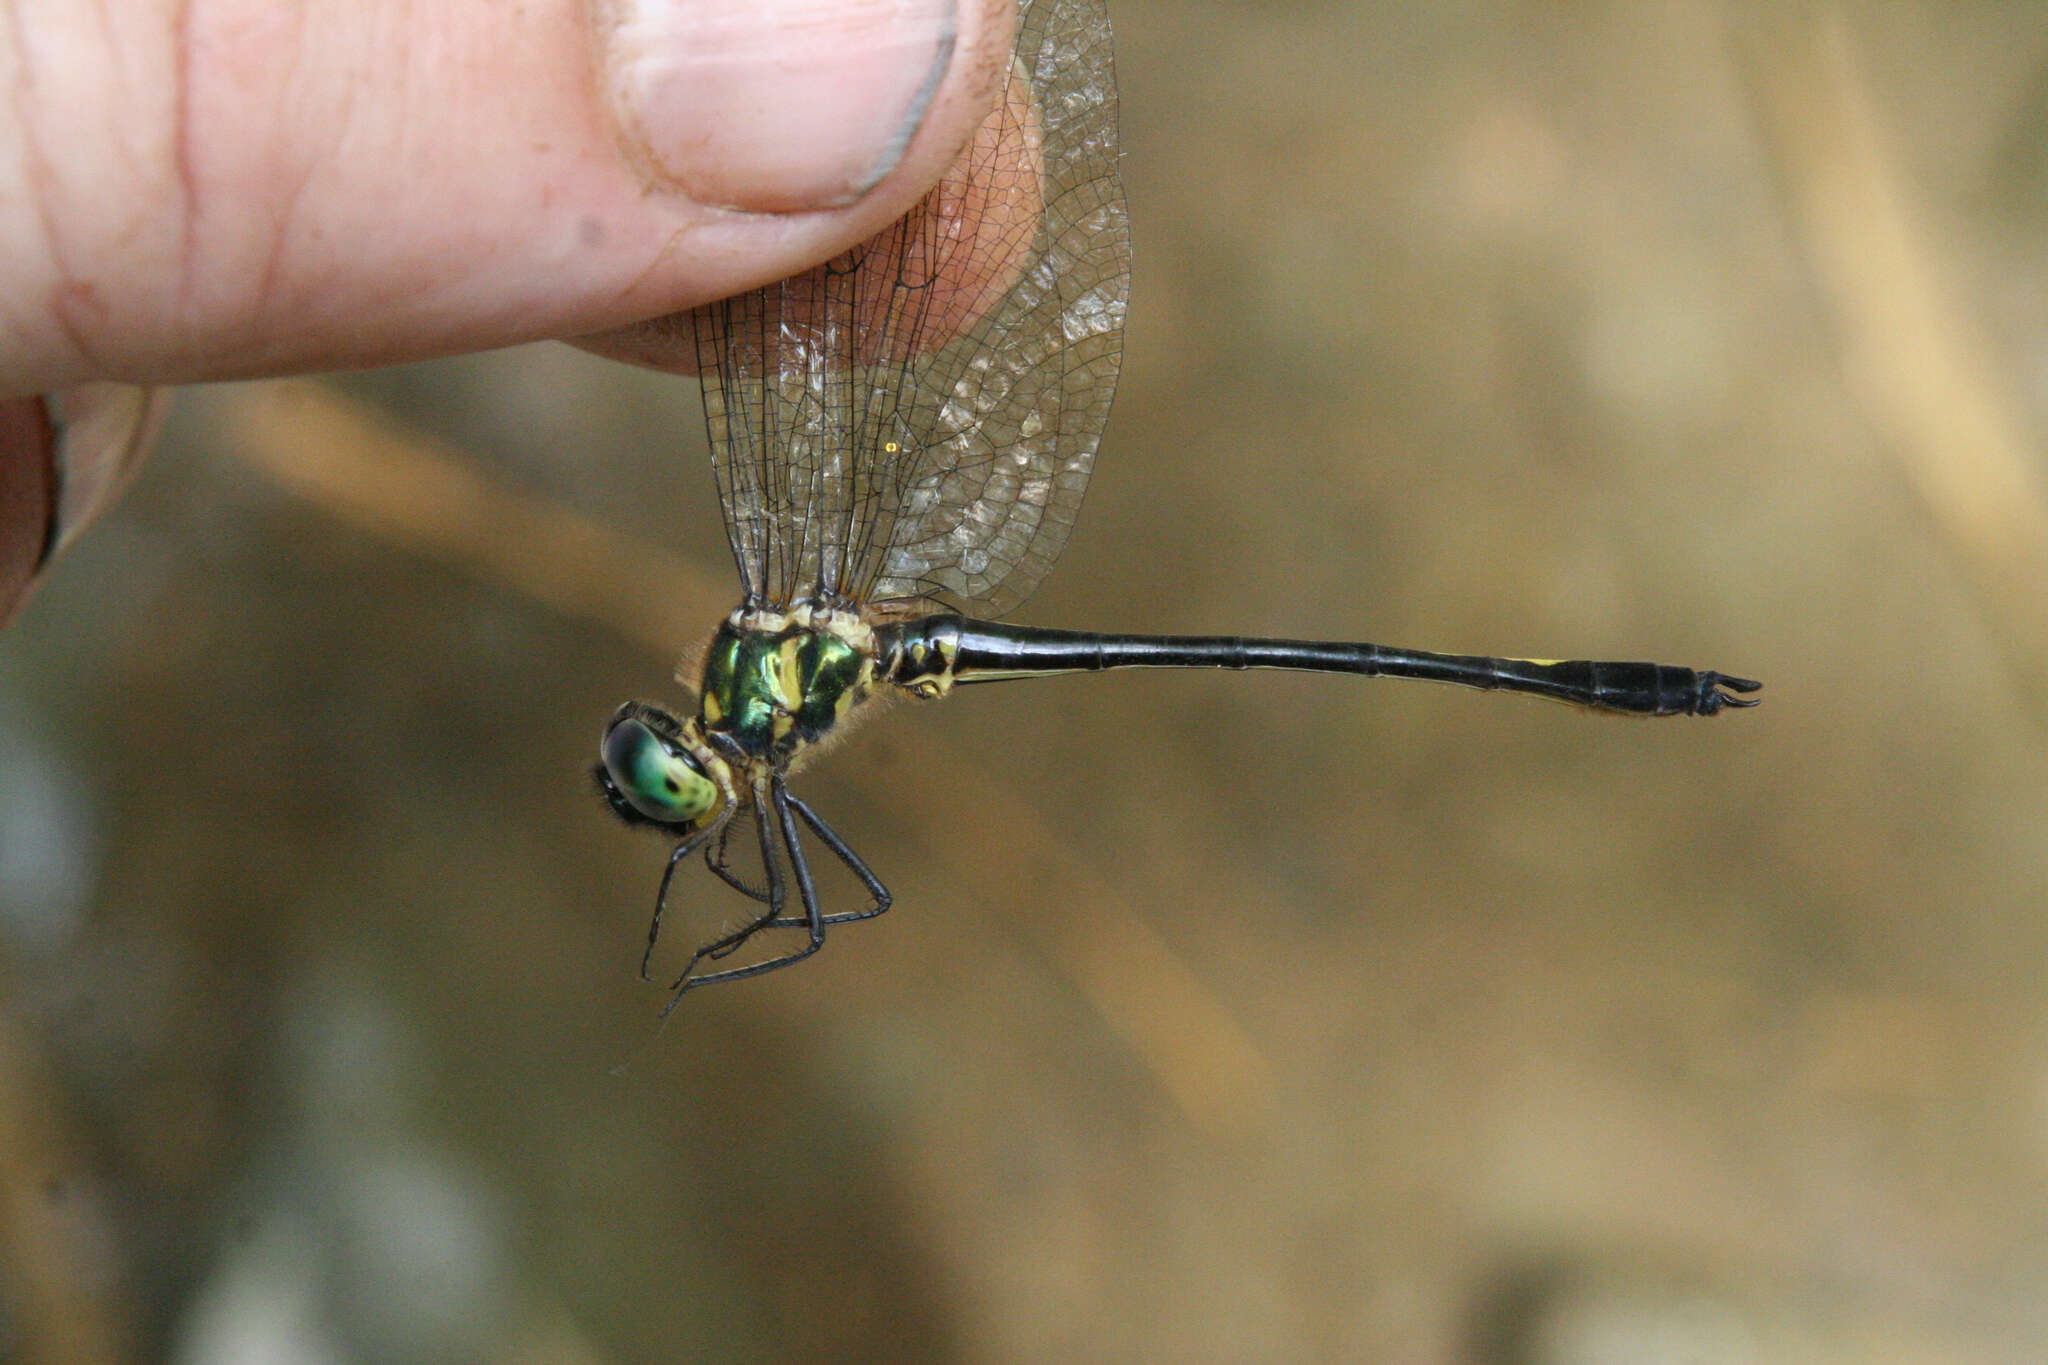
1222, 1018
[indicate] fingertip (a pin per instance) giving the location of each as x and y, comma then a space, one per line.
738, 251
334, 199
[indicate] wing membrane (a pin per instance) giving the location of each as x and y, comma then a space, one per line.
917, 418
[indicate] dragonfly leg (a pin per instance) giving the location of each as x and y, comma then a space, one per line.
770, 894
830, 838
715, 858
811, 920
675, 859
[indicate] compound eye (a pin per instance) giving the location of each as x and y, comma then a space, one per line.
658, 779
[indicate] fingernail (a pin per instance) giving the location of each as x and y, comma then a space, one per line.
773, 105
103, 431
63, 457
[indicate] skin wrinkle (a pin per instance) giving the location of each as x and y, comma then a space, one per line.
40, 183
255, 303
670, 249
280, 235
77, 302
181, 151
280, 231
75, 299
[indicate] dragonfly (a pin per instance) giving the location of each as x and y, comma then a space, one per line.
901, 438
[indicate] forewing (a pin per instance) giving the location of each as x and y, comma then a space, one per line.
861, 458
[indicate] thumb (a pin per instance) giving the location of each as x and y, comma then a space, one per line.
253, 187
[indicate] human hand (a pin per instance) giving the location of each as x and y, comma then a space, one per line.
215, 189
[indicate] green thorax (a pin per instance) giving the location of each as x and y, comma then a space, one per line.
774, 683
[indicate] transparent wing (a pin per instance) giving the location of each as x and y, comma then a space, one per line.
917, 418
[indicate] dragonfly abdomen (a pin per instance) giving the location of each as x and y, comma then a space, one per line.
930, 655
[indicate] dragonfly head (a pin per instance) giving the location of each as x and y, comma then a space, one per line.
655, 770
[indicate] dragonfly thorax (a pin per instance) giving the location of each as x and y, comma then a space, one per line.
776, 682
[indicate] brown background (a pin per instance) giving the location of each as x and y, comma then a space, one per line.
1223, 1018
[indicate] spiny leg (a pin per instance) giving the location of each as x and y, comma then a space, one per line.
675, 859
715, 859
719, 947
868, 880
774, 919
784, 800
770, 895
830, 838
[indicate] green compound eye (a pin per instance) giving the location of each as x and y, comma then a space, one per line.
661, 781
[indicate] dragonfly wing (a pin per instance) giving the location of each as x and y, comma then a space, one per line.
917, 418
